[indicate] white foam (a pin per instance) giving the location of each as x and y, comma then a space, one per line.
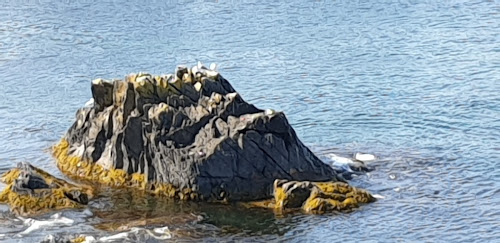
341, 162
89, 239
119, 236
162, 233
55, 220
364, 157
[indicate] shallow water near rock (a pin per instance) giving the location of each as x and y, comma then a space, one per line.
416, 84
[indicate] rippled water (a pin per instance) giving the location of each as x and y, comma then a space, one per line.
416, 83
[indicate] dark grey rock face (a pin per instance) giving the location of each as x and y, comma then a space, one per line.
28, 180
191, 130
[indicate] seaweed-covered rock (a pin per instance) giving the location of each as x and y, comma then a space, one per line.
31, 190
313, 197
188, 135
318, 197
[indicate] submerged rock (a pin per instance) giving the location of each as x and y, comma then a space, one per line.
187, 135
318, 197
31, 190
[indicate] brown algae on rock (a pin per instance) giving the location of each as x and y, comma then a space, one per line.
313, 197
75, 168
31, 190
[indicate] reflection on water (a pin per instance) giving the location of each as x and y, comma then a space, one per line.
123, 210
414, 82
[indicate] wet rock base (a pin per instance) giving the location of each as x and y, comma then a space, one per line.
31, 190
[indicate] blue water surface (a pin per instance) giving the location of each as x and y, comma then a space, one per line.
416, 83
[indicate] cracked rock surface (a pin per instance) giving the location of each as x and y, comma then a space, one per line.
190, 131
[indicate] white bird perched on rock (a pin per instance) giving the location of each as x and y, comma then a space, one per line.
269, 112
194, 70
89, 103
200, 65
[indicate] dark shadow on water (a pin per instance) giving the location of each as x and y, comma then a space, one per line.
122, 210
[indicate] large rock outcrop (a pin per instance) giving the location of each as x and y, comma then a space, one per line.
188, 135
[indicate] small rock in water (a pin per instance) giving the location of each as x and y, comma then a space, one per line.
364, 157
31, 190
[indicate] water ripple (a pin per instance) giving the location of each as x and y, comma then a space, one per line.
415, 83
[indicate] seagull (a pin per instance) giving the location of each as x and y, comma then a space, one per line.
90, 103
200, 66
